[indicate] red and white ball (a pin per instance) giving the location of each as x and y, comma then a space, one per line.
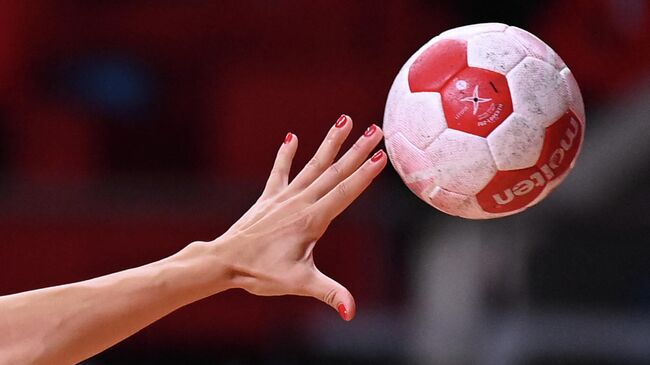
484, 121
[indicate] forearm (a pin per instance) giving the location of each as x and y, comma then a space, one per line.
68, 323
269, 251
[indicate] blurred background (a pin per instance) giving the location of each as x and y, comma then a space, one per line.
130, 128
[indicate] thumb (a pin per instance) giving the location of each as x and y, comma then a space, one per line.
333, 294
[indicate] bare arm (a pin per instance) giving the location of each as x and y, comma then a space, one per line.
267, 252
68, 323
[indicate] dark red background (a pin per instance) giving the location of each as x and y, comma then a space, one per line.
90, 187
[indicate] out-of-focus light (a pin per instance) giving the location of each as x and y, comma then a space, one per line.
113, 85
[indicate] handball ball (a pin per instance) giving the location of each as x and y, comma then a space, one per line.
484, 121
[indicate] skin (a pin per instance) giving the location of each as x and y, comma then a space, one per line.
268, 251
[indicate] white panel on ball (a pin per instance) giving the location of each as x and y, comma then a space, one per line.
455, 204
462, 162
536, 47
494, 51
470, 30
516, 143
397, 92
409, 161
575, 96
420, 118
459, 205
538, 91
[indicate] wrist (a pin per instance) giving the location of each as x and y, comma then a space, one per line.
206, 270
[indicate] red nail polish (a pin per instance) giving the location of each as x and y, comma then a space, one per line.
343, 312
287, 139
370, 130
341, 121
377, 156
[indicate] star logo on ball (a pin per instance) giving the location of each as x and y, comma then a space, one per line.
475, 99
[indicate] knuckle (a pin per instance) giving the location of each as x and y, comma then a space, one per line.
310, 225
342, 190
334, 142
315, 163
278, 171
335, 168
331, 139
356, 147
306, 222
329, 296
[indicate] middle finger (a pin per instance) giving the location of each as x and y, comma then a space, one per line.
346, 165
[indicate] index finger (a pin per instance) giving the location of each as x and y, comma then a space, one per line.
343, 194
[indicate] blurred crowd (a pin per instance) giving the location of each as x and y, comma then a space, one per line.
131, 128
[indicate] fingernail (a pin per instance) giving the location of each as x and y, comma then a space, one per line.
341, 121
288, 138
370, 130
343, 312
377, 156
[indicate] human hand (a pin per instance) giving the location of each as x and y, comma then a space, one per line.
270, 249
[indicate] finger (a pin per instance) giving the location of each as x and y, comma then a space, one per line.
324, 155
339, 198
279, 176
347, 164
333, 294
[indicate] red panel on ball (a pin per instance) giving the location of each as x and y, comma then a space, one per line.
561, 144
476, 101
512, 190
437, 64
